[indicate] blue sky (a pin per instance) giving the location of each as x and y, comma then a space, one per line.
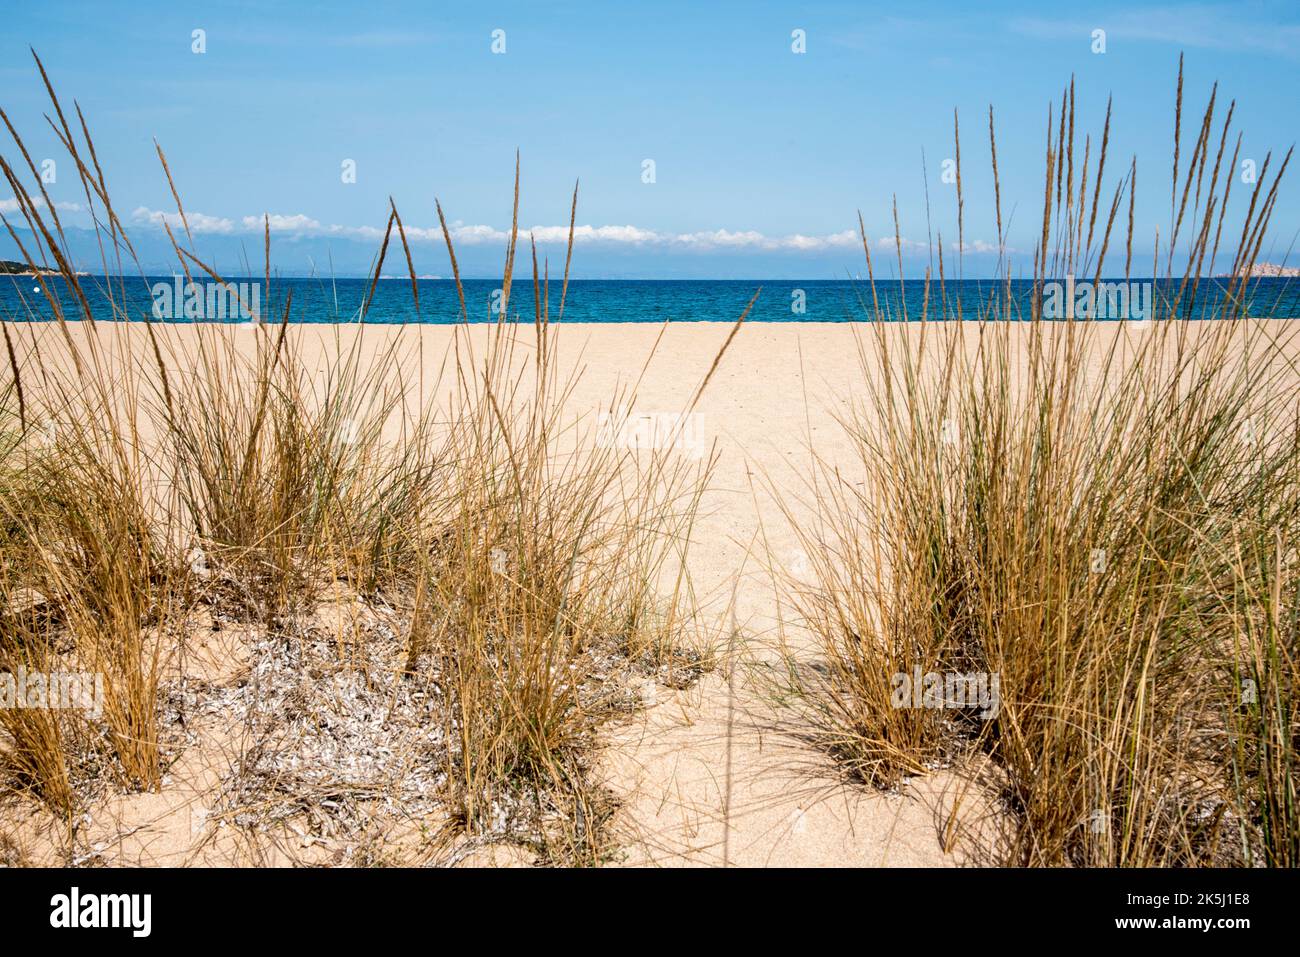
762, 155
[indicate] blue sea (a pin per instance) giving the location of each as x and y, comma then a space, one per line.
599, 300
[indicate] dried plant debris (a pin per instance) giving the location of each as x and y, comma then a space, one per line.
343, 747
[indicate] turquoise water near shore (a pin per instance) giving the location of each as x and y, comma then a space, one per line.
600, 300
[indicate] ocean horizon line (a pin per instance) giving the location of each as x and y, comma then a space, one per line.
332, 299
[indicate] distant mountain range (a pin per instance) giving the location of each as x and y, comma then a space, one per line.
239, 254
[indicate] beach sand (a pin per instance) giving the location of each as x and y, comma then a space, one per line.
717, 773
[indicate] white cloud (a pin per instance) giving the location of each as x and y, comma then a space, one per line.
199, 222
978, 246
599, 234
890, 244
10, 205
721, 237
476, 234
281, 224
469, 234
